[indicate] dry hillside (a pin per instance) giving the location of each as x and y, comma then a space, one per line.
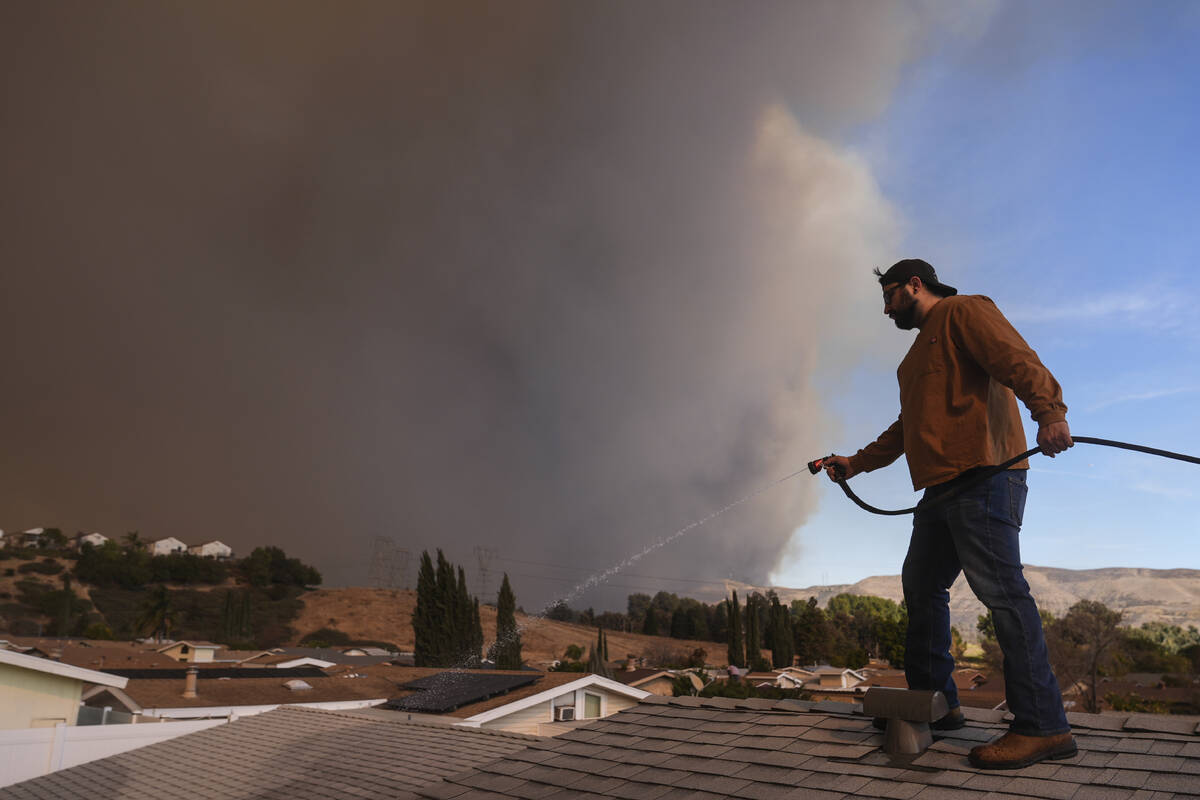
386, 615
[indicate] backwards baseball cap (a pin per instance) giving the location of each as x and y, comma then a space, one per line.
901, 271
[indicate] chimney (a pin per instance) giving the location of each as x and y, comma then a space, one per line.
631, 662
189, 685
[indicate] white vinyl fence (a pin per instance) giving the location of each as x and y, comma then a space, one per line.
30, 752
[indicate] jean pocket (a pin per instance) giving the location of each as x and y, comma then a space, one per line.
1017, 491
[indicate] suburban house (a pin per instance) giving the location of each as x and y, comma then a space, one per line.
164, 547
658, 681
38, 692
94, 538
31, 537
213, 549
837, 678
210, 692
191, 652
323, 657
557, 708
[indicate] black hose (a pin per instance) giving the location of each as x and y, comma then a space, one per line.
988, 472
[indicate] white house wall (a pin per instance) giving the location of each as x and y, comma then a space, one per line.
35, 699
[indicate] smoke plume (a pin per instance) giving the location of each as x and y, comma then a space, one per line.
550, 278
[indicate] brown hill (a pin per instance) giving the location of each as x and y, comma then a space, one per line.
385, 615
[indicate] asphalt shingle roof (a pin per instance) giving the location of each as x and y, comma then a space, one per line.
293, 753
674, 748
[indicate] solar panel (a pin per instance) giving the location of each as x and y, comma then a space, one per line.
447, 691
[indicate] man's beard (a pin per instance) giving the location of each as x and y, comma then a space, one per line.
905, 318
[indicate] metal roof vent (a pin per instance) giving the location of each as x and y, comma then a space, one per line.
908, 713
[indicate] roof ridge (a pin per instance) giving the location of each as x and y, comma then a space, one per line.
350, 714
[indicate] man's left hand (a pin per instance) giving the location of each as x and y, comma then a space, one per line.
1054, 438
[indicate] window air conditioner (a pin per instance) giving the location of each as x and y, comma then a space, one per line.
564, 714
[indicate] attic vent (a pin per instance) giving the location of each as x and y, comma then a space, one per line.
297, 685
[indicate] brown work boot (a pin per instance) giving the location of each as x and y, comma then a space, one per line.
1012, 750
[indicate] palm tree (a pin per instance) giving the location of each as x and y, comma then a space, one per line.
158, 613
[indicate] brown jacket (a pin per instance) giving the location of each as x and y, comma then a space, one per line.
957, 409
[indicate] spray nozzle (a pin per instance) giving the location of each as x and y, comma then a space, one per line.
818, 464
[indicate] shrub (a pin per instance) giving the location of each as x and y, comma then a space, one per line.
325, 637
45, 567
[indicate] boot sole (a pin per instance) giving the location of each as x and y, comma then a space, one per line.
1053, 755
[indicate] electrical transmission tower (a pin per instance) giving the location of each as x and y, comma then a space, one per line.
399, 574
484, 556
379, 575
389, 565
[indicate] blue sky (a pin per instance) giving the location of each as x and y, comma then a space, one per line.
1049, 162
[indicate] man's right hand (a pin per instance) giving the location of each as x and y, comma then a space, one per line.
838, 468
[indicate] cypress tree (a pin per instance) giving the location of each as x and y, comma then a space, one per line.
508, 639
464, 625
753, 634
444, 613
737, 646
476, 632
781, 638
598, 658
423, 619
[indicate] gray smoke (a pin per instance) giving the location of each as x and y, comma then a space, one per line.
552, 278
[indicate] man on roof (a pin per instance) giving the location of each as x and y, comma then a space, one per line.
958, 416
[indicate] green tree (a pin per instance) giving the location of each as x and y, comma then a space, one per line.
636, 610
53, 539
598, 658
957, 646
1083, 645
650, 622
754, 659
811, 632
737, 644
424, 618
507, 649
779, 634
157, 613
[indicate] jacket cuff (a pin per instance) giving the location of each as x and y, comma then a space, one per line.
1051, 417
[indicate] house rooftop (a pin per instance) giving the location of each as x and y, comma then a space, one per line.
668, 748
301, 754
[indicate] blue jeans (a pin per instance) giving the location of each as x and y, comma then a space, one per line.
976, 532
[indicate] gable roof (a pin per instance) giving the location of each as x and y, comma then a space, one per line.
717, 747
13, 658
192, 644
290, 752
589, 681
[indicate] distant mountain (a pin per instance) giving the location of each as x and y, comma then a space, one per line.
1143, 595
